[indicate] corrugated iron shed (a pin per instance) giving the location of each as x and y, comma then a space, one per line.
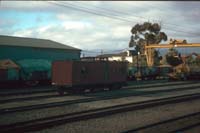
34, 56
20, 48
33, 42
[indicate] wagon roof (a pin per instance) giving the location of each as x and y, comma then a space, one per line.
33, 42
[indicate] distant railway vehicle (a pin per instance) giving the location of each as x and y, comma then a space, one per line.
9, 71
148, 73
77, 76
30, 72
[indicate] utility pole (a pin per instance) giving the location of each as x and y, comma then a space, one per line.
138, 69
102, 52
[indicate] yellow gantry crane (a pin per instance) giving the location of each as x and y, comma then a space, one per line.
172, 44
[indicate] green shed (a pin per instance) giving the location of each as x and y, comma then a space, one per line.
33, 55
20, 48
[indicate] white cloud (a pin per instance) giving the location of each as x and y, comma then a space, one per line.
90, 31
121, 31
24, 33
62, 16
24, 5
78, 35
44, 29
74, 25
53, 32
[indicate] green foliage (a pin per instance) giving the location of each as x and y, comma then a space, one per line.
198, 61
193, 60
157, 57
173, 57
172, 52
146, 34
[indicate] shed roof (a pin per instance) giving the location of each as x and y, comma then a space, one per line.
33, 42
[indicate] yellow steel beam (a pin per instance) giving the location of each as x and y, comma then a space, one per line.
172, 45
176, 45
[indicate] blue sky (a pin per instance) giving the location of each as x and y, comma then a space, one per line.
102, 25
25, 20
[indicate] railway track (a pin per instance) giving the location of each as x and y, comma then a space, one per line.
159, 84
25, 91
39, 124
92, 99
175, 125
23, 98
31, 98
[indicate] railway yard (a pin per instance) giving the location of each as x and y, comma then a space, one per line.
141, 106
66, 68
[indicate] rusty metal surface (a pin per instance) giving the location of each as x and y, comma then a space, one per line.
88, 72
62, 73
117, 71
3, 74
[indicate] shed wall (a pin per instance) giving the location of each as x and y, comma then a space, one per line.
20, 53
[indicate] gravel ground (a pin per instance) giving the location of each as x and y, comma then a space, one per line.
59, 99
3, 91
40, 101
129, 120
27, 96
140, 84
193, 130
26, 89
169, 88
34, 114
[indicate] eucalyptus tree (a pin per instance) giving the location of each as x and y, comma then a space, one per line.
146, 34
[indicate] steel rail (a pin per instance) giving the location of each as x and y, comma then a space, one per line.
180, 130
33, 91
171, 124
93, 99
56, 95
27, 92
39, 124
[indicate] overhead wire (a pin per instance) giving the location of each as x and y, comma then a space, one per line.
84, 9
166, 23
161, 11
104, 50
87, 10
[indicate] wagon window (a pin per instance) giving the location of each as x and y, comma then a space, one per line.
83, 70
123, 70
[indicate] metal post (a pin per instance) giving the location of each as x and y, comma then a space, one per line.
138, 64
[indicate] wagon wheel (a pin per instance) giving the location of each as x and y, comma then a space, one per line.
115, 87
32, 83
93, 89
61, 91
79, 90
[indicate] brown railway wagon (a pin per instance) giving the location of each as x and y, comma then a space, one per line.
81, 75
3, 74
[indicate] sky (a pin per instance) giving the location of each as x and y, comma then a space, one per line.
98, 26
